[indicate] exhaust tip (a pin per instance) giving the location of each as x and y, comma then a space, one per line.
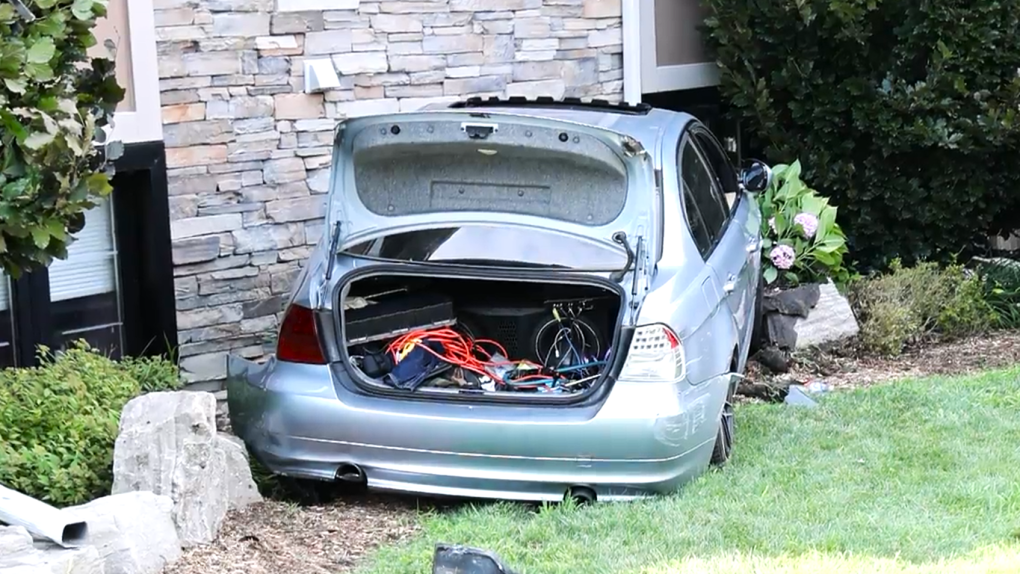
350, 473
581, 495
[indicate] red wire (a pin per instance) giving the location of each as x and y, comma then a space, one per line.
458, 349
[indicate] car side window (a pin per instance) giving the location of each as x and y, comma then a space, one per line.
704, 190
720, 166
698, 230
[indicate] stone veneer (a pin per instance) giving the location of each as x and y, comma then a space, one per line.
248, 151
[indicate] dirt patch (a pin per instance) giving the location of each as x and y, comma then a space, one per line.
850, 367
275, 537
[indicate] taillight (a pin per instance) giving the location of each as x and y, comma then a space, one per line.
655, 355
299, 340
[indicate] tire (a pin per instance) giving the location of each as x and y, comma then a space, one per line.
724, 439
757, 321
727, 431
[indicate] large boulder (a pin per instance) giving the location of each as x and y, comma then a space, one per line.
134, 532
831, 319
808, 316
19, 555
168, 445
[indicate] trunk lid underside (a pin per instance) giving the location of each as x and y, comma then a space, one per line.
405, 171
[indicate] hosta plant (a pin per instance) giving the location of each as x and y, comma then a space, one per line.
802, 243
54, 103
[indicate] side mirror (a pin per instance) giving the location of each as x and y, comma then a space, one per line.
756, 178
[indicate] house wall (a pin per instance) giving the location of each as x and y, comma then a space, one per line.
248, 151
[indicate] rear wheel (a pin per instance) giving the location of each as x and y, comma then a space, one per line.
727, 428
724, 440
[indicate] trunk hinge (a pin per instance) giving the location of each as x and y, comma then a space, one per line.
334, 245
639, 284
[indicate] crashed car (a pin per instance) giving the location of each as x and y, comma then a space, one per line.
515, 299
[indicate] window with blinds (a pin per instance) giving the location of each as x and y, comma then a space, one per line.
84, 288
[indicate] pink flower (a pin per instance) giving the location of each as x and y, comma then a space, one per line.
808, 222
782, 256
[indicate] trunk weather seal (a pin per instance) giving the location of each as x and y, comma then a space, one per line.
596, 395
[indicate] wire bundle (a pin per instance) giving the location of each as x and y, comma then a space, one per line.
459, 350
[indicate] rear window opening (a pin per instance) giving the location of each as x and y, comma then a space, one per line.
446, 336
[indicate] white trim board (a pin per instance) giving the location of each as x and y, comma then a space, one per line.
641, 73
145, 123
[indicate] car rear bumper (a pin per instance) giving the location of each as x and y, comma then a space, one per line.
644, 439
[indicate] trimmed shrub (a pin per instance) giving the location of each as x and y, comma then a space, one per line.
1002, 289
906, 114
912, 305
59, 421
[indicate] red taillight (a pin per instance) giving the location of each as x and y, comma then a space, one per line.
299, 341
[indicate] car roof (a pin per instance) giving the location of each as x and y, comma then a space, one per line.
646, 125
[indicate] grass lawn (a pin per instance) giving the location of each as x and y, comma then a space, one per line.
914, 477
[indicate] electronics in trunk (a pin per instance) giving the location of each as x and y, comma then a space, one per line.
454, 335
396, 313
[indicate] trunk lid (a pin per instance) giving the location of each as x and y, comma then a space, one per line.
416, 170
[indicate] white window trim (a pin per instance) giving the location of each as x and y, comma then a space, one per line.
641, 73
315, 5
145, 123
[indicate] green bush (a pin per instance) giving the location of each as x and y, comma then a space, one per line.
54, 103
906, 114
58, 421
1002, 289
912, 305
797, 220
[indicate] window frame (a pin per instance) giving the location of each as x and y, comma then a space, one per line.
697, 130
687, 139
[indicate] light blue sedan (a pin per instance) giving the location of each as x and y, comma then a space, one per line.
517, 300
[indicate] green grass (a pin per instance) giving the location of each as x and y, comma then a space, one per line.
915, 477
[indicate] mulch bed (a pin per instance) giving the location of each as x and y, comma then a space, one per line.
276, 537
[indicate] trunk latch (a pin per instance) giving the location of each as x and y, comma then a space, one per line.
478, 131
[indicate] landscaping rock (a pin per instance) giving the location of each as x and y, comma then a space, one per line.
808, 316
18, 555
797, 301
133, 532
168, 444
241, 487
831, 320
14, 539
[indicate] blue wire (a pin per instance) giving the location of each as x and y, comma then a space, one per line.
579, 367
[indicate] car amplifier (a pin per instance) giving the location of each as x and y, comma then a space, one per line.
396, 314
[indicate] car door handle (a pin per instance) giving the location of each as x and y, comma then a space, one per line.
730, 285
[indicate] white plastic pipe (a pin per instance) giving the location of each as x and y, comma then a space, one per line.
40, 519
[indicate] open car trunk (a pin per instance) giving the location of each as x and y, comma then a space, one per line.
461, 337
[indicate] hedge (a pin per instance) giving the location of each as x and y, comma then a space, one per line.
906, 113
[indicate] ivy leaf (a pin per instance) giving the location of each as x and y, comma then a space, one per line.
7, 13
41, 52
770, 274
18, 86
56, 229
54, 25
45, 4
41, 237
3, 244
40, 72
37, 140
82, 9
99, 184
